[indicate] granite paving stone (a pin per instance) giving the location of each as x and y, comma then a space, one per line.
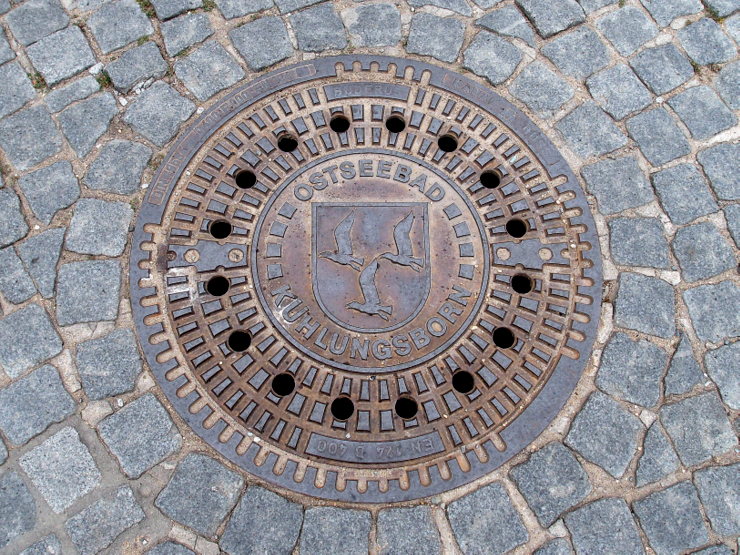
646, 304
442, 38
671, 519
658, 136
262, 42
714, 310
593, 5
702, 252
664, 11
99, 227
158, 113
715, 550
13, 225
6, 53
15, 283
166, 9
170, 548
633, 190
29, 137
603, 526
118, 23
62, 97
29, 405
590, 131
108, 365
702, 112
208, 70
140, 435
683, 193
658, 457
605, 433
732, 26
50, 545
36, 19
84, 123
578, 53
728, 85
705, 43
96, 527
558, 546
135, 65
50, 189
185, 31
721, 164
662, 68
200, 493
118, 167
541, 89
407, 530
15, 88
292, 5
485, 521
552, 481
722, 8
87, 291
17, 507
236, 8
458, 6
3, 452
28, 340
328, 530
373, 25
319, 28
683, 372
61, 55
508, 21
618, 90
722, 365
62, 469
638, 242
699, 428
732, 215
721, 497
552, 16
491, 57
627, 28
4, 6
263, 522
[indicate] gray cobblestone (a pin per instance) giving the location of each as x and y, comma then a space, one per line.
117, 24
601, 526
662, 68
578, 53
15, 283
84, 123
29, 339
732, 215
658, 136
593, 5
158, 113
373, 25
658, 457
109, 365
492, 57
50, 189
441, 38
3, 452
551, 17
627, 28
208, 70
166, 9
664, 11
732, 25
62, 469
558, 546
684, 372
17, 507
590, 132
263, 522
262, 42
62, 97
170, 548
721, 497
48, 546
407, 530
234, 8
118, 167
645, 304
87, 291
135, 65
721, 163
99, 227
185, 31
722, 365
684, 193
618, 90
319, 28
705, 43
6, 53
714, 310
702, 252
61, 55
634, 189
720, 549
40, 254
13, 225
292, 5
540, 89
508, 21
702, 111
552, 481
36, 19
29, 137
728, 85
328, 530
32, 403
638, 242
15, 88
458, 6
723, 8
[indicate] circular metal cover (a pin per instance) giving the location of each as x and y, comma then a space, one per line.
366, 279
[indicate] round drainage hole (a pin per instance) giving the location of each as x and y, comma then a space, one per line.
395, 124
406, 408
287, 143
217, 286
220, 229
342, 408
490, 179
339, 124
504, 338
448, 143
245, 179
283, 384
239, 341
516, 228
463, 381
522, 284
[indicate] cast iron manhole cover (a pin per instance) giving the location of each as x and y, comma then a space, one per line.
366, 279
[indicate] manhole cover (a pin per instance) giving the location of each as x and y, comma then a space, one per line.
366, 279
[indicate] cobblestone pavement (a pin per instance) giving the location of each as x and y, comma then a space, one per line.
641, 96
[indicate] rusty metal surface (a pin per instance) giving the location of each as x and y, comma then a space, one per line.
365, 279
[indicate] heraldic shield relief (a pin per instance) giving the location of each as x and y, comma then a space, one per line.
371, 269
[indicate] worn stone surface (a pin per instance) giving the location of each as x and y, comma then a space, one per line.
29, 339
262, 42
50, 545
662, 68
170, 548
234, 8
541, 89
29, 137
508, 21
99, 227
722, 365
714, 310
185, 31
732, 26
17, 507
634, 189
61, 54
118, 23
49, 190
170, 8
702, 252
440, 37
84, 123
728, 85
491, 57
551, 17
118, 167
590, 132
627, 28
639, 242
684, 372
683, 193
373, 25
578, 53
721, 163
721, 497
732, 216
108, 365
291, 5
15, 283
666, 11
705, 43
645, 304
702, 112
36, 19
658, 136
15, 88
76, 90
87, 291
333, 530
208, 70
3, 452
319, 28
158, 113
658, 457
6, 53
13, 226
558, 546
407, 530
603, 526
459, 6
618, 90
135, 65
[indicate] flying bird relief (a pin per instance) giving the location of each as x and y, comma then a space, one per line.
343, 254
371, 300
404, 255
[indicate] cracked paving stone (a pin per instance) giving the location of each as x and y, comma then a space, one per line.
721, 497
658, 136
87, 291
15, 88
658, 458
13, 225
170, 548
671, 519
634, 189
508, 21
540, 89
292, 5
185, 31
158, 113
118, 167
96, 527
705, 43
50, 545
319, 28
15, 283
84, 123
40, 254
662, 68
714, 310
61, 55
17, 507
208, 70
721, 163
263, 522
29, 339
237, 8
329, 530
109, 365
702, 112
702, 252
140, 435
200, 493
639, 242
29, 405
684, 372
558, 546
699, 428
552, 481
618, 90
664, 11
722, 365
50, 189
440, 38
458, 6
99, 227
627, 28
62, 469
631, 370
605, 433
407, 530
590, 131
62, 97
166, 9
579, 53
602, 525
683, 193
6, 53
728, 85
36, 19
262, 42
491, 57
373, 25
136, 65
29, 137
552, 16
117, 24
646, 304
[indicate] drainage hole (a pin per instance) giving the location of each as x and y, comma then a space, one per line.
490, 179
516, 227
220, 229
239, 341
406, 408
339, 124
283, 384
342, 408
287, 143
395, 124
448, 143
522, 284
245, 179
463, 381
217, 286
504, 338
